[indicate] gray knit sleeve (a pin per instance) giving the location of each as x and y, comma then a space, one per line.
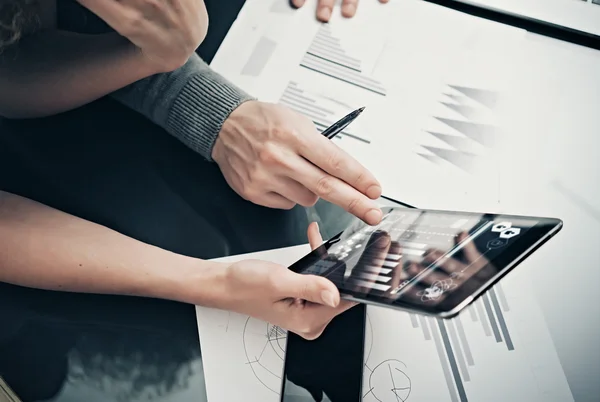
191, 103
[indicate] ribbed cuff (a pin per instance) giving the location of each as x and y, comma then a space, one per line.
200, 108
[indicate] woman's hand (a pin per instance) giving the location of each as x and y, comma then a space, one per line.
325, 7
273, 156
166, 32
303, 304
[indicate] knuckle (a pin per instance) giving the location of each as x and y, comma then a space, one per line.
324, 186
313, 332
256, 176
307, 329
310, 201
288, 205
279, 132
270, 155
336, 164
132, 23
359, 178
353, 205
248, 191
154, 5
311, 336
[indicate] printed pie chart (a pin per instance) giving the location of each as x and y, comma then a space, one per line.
389, 382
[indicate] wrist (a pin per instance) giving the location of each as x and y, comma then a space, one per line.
243, 115
194, 281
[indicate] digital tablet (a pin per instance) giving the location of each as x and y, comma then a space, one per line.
426, 261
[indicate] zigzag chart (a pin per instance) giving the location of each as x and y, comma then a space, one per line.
464, 129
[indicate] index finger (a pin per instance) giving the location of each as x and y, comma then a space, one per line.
323, 153
370, 267
324, 10
333, 189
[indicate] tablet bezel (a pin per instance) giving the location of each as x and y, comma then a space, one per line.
506, 261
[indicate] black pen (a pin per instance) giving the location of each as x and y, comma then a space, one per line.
333, 130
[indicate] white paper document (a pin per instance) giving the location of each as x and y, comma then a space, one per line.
431, 79
497, 350
434, 83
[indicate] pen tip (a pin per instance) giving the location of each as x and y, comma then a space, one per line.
361, 109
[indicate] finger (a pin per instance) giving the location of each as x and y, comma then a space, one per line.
276, 201
349, 8
314, 236
334, 190
368, 270
312, 288
397, 274
332, 159
324, 10
442, 261
428, 278
316, 317
112, 12
296, 192
297, 3
383, 1
470, 251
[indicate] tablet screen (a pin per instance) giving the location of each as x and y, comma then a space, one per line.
434, 259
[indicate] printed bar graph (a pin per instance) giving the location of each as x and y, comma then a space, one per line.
319, 109
326, 56
450, 338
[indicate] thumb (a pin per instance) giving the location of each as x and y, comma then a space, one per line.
469, 248
312, 288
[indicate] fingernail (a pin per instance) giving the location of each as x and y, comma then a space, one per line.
328, 299
324, 13
373, 217
383, 241
374, 192
297, 3
348, 10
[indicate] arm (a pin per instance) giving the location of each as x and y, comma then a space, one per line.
54, 71
44, 248
57, 71
191, 103
41, 247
